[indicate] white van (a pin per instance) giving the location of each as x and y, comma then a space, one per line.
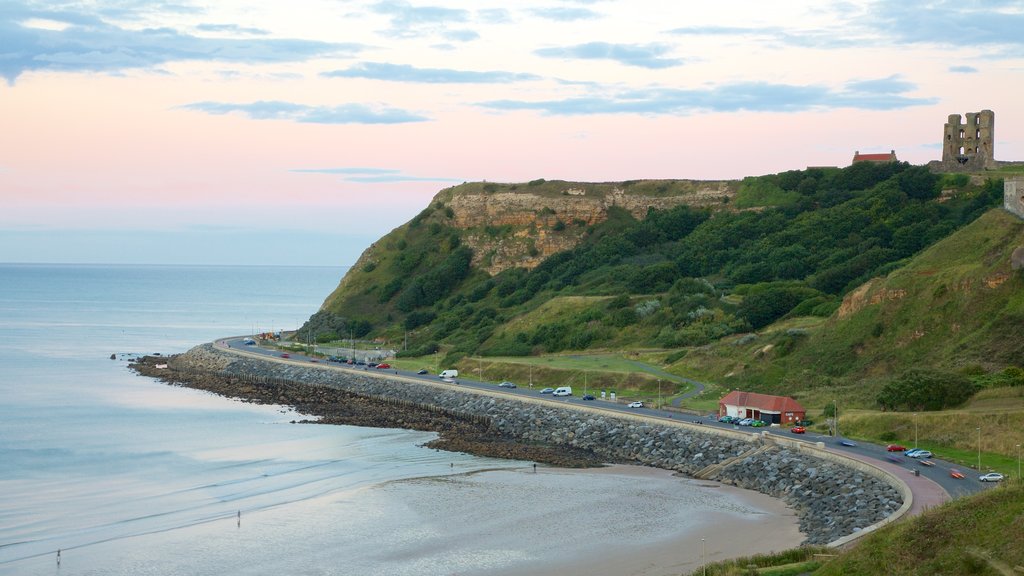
563, 391
449, 374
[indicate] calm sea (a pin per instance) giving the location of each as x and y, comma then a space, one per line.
126, 476
110, 467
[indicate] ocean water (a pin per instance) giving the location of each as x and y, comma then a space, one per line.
125, 475
93, 457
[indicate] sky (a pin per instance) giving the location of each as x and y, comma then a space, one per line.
299, 132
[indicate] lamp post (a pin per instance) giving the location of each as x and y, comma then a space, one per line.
1018, 461
659, 393
835, 414
915, 429
979, 448
703, 564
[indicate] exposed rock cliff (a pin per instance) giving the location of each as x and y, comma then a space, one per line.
521, 225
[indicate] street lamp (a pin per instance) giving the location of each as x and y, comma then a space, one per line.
914, 429
659, 393
979, 448
1018, 461
703, 564
835, 414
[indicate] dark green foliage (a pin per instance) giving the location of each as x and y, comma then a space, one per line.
390, 289
327, 336
764, 307
424, 350
360, 328
918, 182
559, 226
419, 318
921, 389
433, 285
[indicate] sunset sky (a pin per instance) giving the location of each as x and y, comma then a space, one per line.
298, 132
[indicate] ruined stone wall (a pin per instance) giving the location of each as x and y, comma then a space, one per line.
1013, 195
970, 145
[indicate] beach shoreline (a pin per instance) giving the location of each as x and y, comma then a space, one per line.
333, 406
676, 550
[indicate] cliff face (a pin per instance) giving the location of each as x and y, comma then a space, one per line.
511, 226
504, 226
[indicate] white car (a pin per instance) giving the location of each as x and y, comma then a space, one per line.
991, 477
921, 454
637, 404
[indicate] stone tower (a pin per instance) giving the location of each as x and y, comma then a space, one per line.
969, 146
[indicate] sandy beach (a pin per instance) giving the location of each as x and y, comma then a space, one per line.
619, 520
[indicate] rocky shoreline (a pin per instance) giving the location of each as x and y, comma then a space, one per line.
334, 406
832, 498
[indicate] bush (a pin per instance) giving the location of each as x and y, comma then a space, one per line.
927, 390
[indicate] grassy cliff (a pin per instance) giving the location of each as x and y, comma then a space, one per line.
956, 306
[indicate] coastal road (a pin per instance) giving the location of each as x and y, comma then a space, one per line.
912, 471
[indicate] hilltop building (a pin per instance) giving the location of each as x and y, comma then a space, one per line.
764, 407
969, 146
890, 157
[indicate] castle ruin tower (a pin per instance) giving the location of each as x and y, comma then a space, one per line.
969, 146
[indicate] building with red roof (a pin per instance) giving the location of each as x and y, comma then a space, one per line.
890, 157
764, 407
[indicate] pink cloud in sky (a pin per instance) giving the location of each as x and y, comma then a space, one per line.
257, 119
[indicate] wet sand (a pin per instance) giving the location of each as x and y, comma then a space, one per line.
610, 521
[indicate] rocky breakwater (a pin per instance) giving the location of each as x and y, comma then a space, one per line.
831, 500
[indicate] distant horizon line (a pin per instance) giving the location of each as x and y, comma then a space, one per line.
170, 265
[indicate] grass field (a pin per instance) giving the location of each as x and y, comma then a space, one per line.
979, 535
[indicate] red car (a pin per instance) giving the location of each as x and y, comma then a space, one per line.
285, 355
896, 448
798, 429
384, 366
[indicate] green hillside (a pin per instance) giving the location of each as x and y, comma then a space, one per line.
955, 307
981, 535
687, 274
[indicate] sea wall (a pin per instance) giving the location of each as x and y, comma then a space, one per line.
832, 499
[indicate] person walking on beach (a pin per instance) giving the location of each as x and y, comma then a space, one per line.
58, 556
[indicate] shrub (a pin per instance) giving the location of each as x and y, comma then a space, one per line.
920, 389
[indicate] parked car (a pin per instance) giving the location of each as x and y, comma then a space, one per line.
991, 477
758, 423
745, 422
912, 451
372, 364
636, 404
286, 355
920, 454
506, 384
798, 429
589, 397
547, 391
422, 371
383, 366
725, 419
895, 448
